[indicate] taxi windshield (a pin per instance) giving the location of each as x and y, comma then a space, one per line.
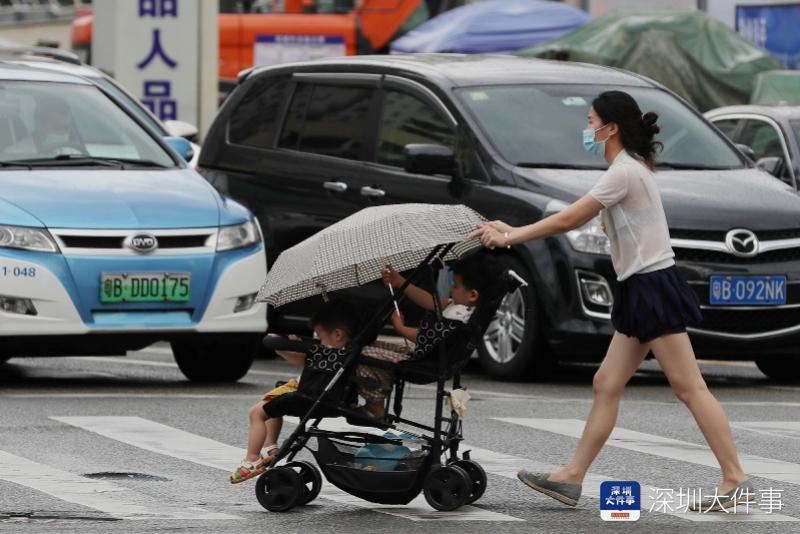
50, 121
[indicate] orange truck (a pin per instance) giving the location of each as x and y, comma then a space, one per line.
297, 30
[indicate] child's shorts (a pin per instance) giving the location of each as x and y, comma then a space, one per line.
288, 387
380, 350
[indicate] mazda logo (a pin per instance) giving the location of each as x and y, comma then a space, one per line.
142, 243
742, 243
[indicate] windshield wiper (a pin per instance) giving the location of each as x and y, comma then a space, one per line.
136, 162
65, 160
78, 160
531, 165
690, 166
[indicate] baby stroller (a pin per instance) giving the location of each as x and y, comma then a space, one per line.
395, 467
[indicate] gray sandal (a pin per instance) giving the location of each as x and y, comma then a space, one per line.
561, 491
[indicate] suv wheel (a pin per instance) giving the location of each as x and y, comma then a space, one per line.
785, 369
513, 346
216, 357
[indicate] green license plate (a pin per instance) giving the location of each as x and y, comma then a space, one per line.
145, 287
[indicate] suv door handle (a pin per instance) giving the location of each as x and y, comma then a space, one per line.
368, 191
338, 187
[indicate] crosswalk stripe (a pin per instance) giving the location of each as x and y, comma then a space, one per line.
506, 465
685, 451
115, 500
169, 441
783, 429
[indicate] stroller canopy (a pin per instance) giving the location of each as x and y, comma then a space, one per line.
492, 26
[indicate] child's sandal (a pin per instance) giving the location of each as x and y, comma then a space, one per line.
247, 470
268, 454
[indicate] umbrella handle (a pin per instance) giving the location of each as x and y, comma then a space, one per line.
396, 307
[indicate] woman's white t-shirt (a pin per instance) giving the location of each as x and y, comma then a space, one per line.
633, 217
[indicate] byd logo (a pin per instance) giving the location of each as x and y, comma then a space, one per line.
142, 243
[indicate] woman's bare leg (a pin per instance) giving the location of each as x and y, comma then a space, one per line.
675, 355
624, 356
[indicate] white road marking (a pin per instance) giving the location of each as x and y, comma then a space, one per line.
684, 451
115, 500
169, 441
783, 429
124, 360
506, 465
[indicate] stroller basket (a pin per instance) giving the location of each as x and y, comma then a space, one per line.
373, 468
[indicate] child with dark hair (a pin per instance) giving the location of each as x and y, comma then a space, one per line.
471, 276
334, 324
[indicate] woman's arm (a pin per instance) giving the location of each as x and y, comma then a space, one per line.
500, 234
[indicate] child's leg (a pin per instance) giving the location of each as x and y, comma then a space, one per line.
258, 432
273, 428
376, 408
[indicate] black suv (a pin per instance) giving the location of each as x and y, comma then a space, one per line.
306, 144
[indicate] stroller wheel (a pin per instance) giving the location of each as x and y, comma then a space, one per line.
478, 477
279, 489
447, 487
311, 478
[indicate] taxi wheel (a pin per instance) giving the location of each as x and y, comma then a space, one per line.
216, 357
781, 369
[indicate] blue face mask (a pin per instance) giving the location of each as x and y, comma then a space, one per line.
596, 148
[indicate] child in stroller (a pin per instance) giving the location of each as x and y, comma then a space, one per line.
334, 324
471, 275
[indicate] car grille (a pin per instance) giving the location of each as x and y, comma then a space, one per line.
112, 242
699, 252
749, 321
719, 235
711, 256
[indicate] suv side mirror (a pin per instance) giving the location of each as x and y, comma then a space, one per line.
181, 129
429, 159
773, 165
747, 151
181, 146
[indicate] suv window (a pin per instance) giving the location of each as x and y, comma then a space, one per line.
254, 122
727, 126
329, 120
407, 119
763, 138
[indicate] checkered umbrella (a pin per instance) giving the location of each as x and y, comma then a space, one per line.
355, 250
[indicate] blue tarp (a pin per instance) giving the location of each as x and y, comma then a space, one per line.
492, 26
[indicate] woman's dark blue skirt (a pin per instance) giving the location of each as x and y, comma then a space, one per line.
650, 305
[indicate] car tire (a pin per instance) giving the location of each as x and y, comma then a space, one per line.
504, 356
216, 357
786, 369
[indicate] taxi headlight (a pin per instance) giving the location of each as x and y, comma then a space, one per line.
238, 235
26, 238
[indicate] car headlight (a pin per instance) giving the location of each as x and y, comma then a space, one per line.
37, 239
238, 235
588, 238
